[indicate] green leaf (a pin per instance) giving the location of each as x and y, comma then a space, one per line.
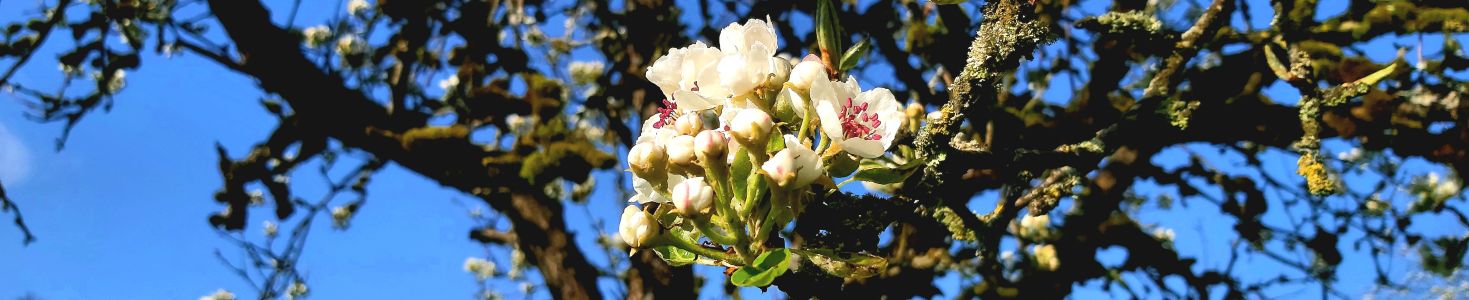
880, 174
764, 270
845, 265
855, 54
828, 30
675, 256
740, 171
1377, 76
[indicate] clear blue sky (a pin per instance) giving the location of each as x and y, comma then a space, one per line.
120, 213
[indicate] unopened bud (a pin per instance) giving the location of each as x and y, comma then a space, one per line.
648, 160
710, 146
806, 72
751, 128
637, 228
689, 124
681, 151
780, 71
693, 197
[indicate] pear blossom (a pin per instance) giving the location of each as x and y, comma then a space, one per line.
863, 124
690, 77
637, 227
220, 294
693, 197
749, 56
481, 268
316, 35
356, 7
1045, 257
794, 167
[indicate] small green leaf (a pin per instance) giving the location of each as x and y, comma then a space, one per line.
764, 270
828, 30
740, 171
882, 174
855, 54
1377, 76
845, 265
675, 256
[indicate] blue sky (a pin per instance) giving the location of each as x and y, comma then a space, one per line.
120, 213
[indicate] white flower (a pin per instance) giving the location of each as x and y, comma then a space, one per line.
449, 83
584, 72
646, 192
865, 123
297, 289
350, 44
356, 7
271, 229
219, 294
654, 130
315, 36
748, 51
1164, 234
1446, 189
637, 227
751, 128
1035, 227
690, 77
693, 197
341, 215
794, 167
482, 269
491, 295
1045, 257
807, 72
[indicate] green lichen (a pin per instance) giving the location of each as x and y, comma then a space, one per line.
422, 135
1179, 111
954, 223
1318, 179
1132, 23
559, 155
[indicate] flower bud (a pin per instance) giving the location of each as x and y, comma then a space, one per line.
793, 167
806, 72
751, 127
681, 151
710, 146
780, 71
648, 160
689, 124
637, 228
693, 197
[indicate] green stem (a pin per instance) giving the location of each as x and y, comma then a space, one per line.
700, 250
714, 233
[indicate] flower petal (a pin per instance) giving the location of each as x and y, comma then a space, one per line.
863, 148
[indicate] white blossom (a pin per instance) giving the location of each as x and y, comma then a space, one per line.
584, 72
220, 294
357, 7
748, 51
690, 77
864, 124
315, 36
481, 268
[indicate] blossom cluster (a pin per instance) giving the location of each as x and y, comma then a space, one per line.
742, 138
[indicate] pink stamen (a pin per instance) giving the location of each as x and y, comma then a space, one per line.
666, 114
857, 123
